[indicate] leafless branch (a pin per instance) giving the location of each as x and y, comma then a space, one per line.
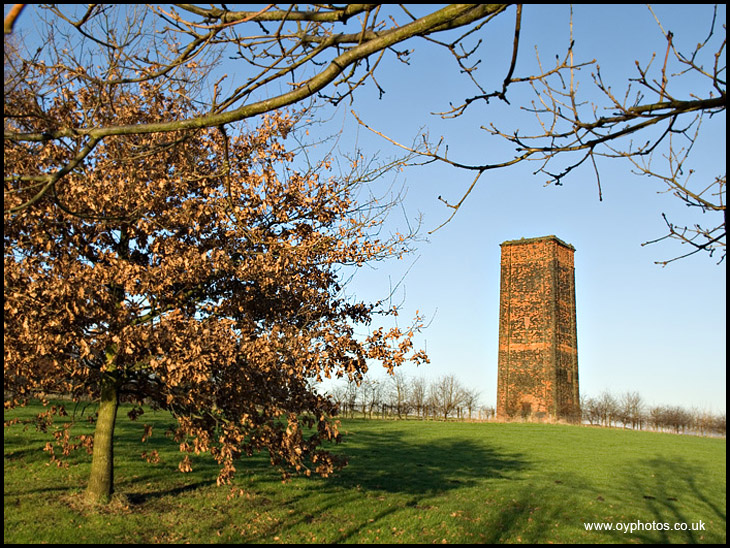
571, 132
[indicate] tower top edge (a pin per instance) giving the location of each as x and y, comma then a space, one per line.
538, 239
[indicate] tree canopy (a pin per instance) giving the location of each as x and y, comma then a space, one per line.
195, 271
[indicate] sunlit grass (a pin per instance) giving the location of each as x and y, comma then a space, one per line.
407, 482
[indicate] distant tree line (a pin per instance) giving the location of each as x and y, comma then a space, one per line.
400, 396
629, 410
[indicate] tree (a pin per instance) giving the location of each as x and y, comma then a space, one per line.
676, 418
399, 394
418, 396
631, 409
446, 395
607, 409
720, 424
655, 415
470, 399
590, 410
371, 392
197, 271
345, 397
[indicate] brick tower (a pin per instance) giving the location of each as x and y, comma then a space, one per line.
538, 348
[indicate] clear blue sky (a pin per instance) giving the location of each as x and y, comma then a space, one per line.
641, 327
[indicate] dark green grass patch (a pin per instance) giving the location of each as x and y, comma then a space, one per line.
407, 482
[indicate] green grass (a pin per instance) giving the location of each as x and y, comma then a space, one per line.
407, 482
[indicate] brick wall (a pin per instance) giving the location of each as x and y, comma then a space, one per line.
538, 351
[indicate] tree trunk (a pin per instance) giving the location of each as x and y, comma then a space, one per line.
101, 479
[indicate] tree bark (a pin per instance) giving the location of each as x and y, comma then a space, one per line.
101, 479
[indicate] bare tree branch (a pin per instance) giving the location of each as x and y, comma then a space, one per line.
570, 131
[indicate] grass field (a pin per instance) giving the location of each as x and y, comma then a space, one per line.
407, 482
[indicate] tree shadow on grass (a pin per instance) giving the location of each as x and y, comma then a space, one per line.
141, 498
391, 461
27, 455
391, 471
678, 492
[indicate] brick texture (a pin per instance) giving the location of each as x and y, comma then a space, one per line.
538, 349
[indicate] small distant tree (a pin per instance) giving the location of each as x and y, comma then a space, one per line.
590, 410
631, 409
197, 271
701, 421
677, 418
607, 408
489, 412
655, 416
371, 395
418, 394
470, 399
344, 396
446, 395
719, 424
399, 394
